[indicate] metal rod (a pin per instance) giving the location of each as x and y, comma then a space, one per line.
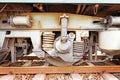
12, 49
64, 22
95, 52
78, 8
3, 8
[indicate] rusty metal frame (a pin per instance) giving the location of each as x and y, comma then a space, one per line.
53, 69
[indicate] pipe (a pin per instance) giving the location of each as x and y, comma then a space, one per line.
112, 20
83, 8
39, 6
20, 21
3, 8
78, 8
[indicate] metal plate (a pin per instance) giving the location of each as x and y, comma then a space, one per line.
57, 61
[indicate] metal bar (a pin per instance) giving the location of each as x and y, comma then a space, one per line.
2, 38
1, 10
95, 52
12, 49
36, 58
64, 25
78, 8
53, 69
90, 49
83, 8
29, 58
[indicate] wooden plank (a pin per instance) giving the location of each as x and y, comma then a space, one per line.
53, 69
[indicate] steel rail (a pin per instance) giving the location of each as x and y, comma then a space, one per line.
53, 69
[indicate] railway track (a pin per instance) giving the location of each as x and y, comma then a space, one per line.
38, 69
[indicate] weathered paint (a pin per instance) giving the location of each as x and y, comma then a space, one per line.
52, 21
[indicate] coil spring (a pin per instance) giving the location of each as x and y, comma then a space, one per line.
48, 40
77, 48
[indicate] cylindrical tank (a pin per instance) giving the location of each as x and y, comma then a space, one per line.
109, 41
20, 21
113, 20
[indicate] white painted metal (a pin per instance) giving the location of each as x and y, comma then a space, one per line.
34, 35
52, 20
20, 20
78, 37
109, 40
64, 25
83, 22
45, 20
2, 38
63, 47
108, 76
81, 33
113, 20
68, 56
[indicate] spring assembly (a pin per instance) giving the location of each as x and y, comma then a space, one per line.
78, 48
48, 40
